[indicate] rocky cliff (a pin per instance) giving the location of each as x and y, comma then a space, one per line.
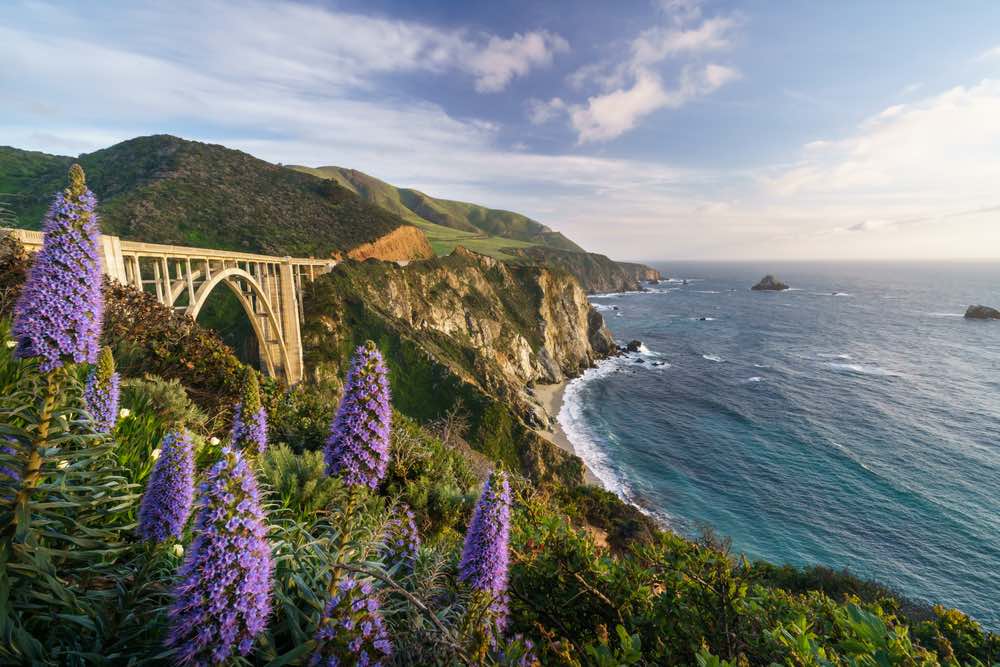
471, 332
597, 274
640, 272
402, 243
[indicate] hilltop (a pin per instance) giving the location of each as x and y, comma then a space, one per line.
163, 189
449, 223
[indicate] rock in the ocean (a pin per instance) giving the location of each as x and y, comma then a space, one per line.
982, 313
769, 284
633, 345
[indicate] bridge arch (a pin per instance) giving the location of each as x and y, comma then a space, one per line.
256, 305
268, 288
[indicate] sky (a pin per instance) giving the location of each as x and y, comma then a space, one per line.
642, 129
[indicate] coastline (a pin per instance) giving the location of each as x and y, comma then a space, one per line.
550, 397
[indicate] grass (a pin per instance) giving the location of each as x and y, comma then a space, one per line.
448, 223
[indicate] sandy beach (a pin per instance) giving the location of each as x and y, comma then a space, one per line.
550, 396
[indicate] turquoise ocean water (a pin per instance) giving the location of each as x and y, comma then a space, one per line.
853, 421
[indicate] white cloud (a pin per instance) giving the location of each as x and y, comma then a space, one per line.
681, 11
634, 88
658, 43
612, 114
292, 44
503, 59
541, 112
990, 54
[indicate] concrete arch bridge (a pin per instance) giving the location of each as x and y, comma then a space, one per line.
269, 288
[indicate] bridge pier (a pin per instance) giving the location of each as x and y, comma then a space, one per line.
269, 288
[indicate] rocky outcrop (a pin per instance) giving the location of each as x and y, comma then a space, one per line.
497, 325
597, 274
401, 244
769, 284
641, 272
982, 313
472, 333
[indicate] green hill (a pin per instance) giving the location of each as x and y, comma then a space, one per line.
449, 223
163, 189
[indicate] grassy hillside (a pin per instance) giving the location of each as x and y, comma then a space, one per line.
449, 223
168, 190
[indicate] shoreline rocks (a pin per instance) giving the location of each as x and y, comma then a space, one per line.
982, 313
769, 284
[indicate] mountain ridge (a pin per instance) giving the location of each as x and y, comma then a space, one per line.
163, 189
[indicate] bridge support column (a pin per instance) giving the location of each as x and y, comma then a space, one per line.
113, 259
291, 332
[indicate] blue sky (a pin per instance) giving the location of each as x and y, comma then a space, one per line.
665, 129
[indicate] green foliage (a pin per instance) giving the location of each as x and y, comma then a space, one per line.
435, 480
162, 189
299, 481
301, 416
154, 407
149, 338
63, 522
449, 223
628, 652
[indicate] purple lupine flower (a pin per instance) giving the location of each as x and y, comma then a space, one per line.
402, 541
485, 556
249, 431
351, 630
358, 446
59, 314
101, 393
223, 599
166, 504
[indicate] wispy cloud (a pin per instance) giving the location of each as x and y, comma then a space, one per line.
634, 87
990, 54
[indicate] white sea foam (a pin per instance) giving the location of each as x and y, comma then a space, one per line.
586, 443
712, 357
861, 369
707, 291
755, 378
946, 314
833, 355
603, 306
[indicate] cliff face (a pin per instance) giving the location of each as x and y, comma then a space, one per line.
640, 272
402, 243
471, 332
596, 273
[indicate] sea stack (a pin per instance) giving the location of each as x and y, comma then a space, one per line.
982, 313
769, 284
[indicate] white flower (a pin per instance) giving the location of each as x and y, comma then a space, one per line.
124, 412
213, 441
11, 344
155, 453
178, 550
63, 464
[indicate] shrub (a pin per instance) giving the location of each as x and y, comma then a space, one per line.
299, 481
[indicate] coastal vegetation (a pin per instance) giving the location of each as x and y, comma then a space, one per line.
396, 508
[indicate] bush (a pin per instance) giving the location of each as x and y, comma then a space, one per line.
299, 481
155, 406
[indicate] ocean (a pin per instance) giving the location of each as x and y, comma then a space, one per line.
852, 421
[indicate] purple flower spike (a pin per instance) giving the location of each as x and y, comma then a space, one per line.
358, 446
166, 504
249, 417
59, 314
101, 393
485, 556
351, 630
402, 541
223, 599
